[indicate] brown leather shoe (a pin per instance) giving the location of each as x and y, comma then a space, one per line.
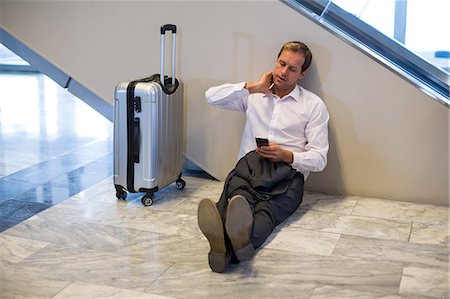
210, 223
239, 224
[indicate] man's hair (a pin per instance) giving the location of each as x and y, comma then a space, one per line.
298, 47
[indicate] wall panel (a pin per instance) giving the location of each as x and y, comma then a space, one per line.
387, 138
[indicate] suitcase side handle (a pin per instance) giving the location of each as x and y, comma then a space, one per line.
136, 140
174, 84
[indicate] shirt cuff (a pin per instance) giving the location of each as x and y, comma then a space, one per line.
240, 87
298, 165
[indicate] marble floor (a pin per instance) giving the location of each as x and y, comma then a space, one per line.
91, 245
52, 146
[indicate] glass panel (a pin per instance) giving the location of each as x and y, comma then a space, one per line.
427, 30
422, 26
7, 57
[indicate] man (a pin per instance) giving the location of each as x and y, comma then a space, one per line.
267, 184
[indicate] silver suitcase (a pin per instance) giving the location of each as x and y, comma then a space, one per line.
148, 131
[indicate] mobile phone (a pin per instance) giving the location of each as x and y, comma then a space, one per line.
271, 82
261, 141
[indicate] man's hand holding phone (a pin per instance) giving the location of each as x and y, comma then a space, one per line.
273, 152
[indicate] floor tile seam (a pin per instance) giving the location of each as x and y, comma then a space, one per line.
12, 225
126, 227
403, 264
61, 157
406, 263
374, 293
380, 217
332, 212
401, 219
39, 250
332, 228
47, 206
392, 270
80, 280
394, 263
54, 175
14, 193
404, 242
22, 182
20, 220
17, 202
98, 252
184, 199
70, 282
7, 220
409, 293
358, 216
403, 204
354, 207
146, 290
336, 245
76, 169
411, 204
52, 245
129, 240
436, 269
433, 223
86, 146
342, 232
53, 182
55, 158
437, 245
92, 164
33, 186
331, 258
400, 280
410, 232
287, 251
19, 169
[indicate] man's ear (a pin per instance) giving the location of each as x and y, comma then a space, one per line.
303, 74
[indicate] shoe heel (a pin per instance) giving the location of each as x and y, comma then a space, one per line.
245, 253
211, 225
218, 262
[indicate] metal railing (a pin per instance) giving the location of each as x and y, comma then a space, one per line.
424, 75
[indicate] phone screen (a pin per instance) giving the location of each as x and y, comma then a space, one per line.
261, 141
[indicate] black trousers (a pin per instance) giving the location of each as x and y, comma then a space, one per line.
268, 213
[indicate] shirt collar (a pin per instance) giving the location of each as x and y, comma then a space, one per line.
295, 94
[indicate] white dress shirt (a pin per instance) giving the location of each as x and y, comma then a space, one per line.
297, 122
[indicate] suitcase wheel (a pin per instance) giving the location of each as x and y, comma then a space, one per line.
180, 183
147, 200
121, 193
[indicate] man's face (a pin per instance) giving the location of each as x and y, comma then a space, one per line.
288, 70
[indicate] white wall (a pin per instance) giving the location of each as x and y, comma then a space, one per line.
387, 138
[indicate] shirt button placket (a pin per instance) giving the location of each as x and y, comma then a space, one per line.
274, 120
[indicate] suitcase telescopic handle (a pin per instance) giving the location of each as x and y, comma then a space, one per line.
173, 29
168, 27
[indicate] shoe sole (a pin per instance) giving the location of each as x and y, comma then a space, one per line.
210, 223
238, 224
